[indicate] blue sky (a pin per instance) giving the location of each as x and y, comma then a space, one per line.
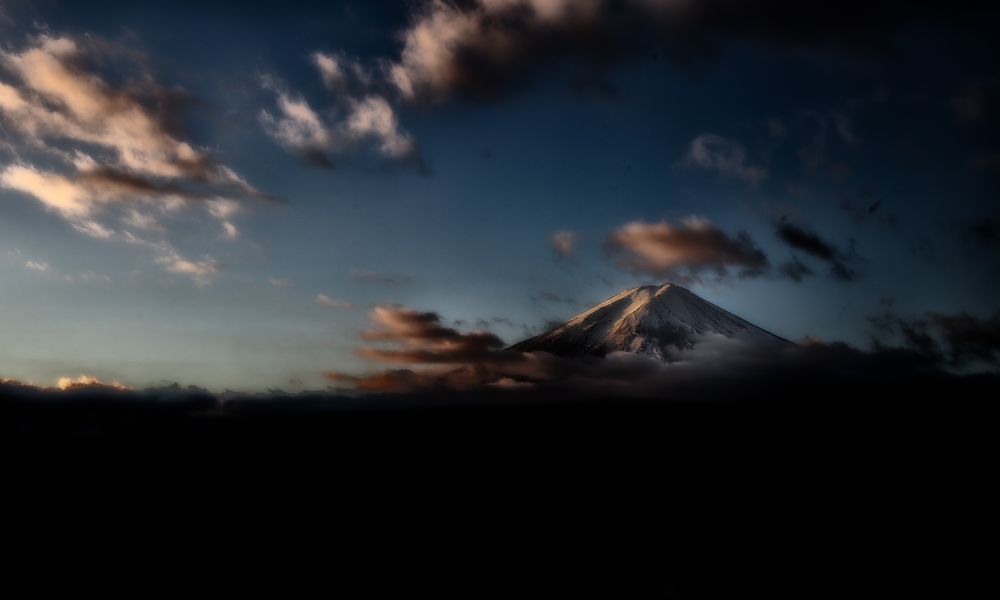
882, 152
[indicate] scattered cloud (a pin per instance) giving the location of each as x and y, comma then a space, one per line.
366, 118
369, 276
421, 338
328, 302
685, 251
564, 243
983, 231
36, 265
958, 340
809, 242
795, 269
200, 272
297, 125
724, 156
223, 209
111, 144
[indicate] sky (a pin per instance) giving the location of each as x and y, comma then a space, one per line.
223, 194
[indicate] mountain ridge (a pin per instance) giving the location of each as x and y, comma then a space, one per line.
661, 321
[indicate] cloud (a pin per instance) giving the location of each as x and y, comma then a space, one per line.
55, 98
331, 70
564, 243
685, 251
340, 73
328, 302
366, 118
111, 143
484, 49
298, 126
969, 338
373, 117
726, 157
437, 359
93, 229
36, 265
368, 276
421, 338
55, 191
983, 231
959, 340
811, 243
200, 271
88, 382
224, 209
795, 269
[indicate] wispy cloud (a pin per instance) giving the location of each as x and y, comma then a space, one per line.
369, 276
365, 118
36, 265
328, 302
564, 243
724, 156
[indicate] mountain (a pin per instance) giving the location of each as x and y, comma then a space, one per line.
659, 321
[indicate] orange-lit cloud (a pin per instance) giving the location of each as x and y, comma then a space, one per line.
693, 247
109, 145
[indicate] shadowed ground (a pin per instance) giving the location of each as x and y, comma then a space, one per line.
813, 490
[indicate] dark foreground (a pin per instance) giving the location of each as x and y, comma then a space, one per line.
805, 491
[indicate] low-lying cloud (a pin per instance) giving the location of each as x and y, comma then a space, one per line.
420, 338
432, 357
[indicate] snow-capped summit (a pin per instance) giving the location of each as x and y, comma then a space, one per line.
655, 320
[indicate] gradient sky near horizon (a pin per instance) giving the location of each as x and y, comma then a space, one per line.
215, 193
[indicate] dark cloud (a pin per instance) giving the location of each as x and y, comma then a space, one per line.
983, 231
958, 340
116, 182
809, 242
686, 251
795, 269
968, 338
420, 338
863, 211
482, 50
978, 102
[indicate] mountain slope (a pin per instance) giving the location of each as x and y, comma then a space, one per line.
659, 321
